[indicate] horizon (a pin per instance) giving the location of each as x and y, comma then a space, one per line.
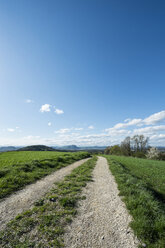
88, 73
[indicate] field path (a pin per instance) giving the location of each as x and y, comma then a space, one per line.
24, 199
102, 220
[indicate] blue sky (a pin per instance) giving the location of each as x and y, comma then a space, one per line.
84, 72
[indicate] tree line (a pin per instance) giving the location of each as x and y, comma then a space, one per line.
136, 146
131, 146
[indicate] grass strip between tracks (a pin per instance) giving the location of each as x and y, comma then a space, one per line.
44, 225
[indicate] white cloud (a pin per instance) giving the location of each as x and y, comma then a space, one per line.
110, 136
29, 101
11, 130
149, 130
129, 123
49, 124
114, 132
157, 136
91, 127
66, 130
45, 108
155, 118
63, 130
31, 137
59, 111
127, 120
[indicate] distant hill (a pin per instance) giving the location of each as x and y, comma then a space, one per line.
8, 148
68, 148
37, 148
77, 148
93, 147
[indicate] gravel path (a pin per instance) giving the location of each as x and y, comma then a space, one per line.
102, 220
24, 199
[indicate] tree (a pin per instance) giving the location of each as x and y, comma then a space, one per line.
143, 142
139, 143
126, 146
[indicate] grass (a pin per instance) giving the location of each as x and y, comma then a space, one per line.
44, 225
18, 169
141, 183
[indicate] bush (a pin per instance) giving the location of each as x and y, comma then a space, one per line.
139, 154
113, 150
153, 153
162, 156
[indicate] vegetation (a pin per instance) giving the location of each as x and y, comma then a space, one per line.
44, 224
141, 183
20, 168
37, 148
136, 146
153, 153
113, 150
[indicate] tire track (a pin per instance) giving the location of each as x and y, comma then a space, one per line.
24, 199
103, 220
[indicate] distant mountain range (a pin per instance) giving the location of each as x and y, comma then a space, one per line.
77, 148
47, 148
8, 148
59, 148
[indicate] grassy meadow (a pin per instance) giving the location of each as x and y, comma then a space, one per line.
20, 168
142, 185
44, 225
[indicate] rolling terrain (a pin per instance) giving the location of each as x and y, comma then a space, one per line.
83, 208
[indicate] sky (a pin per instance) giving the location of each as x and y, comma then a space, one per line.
87, 72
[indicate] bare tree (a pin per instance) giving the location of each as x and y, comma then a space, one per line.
135, 142
126, 146
140, 143
143, 142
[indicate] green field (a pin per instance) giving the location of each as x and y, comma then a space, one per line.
23, 167
142, 184
44, 224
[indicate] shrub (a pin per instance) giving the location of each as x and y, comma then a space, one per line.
153, 153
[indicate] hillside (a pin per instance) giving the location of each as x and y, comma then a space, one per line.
37, 148
8, 148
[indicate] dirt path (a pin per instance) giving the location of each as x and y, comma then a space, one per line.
24, 199
102, 221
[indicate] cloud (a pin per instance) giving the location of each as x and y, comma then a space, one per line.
148, 127
155, 118
129, 123
59, 111
63, 130
29, 101
114, 132
149, 130
109, 136
49, 124
11, 130
45, 108
91, 127
157, 136
66, 130
31, 137
151, 120
127, 120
